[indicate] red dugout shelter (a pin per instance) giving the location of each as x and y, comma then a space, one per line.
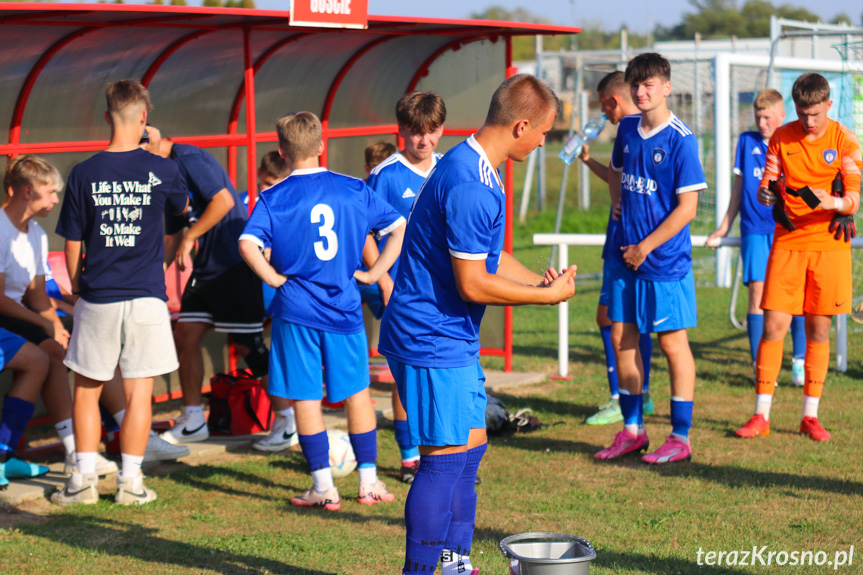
219, 77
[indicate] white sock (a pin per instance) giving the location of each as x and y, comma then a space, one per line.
192, 410
86, 462
810, 406
368, 475
616, 396
131, 465
763, 401
118, 417
289, 415
323, 479
452, 563
67, 435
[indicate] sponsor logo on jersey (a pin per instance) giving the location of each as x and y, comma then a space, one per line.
626, 149
757, 172
409, 193
154, 181
830, 155
638, 184
658, 155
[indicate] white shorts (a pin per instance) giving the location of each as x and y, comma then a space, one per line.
136, 334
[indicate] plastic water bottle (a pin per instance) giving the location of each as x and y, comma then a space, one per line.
587, 134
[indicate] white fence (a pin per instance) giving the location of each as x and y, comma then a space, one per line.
563, 241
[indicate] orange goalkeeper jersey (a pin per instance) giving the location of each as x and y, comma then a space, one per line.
814, 164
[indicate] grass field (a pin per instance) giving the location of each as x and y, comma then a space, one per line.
784, 492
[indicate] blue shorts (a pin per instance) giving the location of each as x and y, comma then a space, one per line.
606, 283
443, 405
9, 346
371, 296
755, 249
297, 354
653, 306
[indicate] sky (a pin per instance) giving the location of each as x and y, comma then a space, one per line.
638, 15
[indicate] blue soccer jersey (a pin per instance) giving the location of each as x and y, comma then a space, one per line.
204, 177
749, 161
460, 213
317, 222
397, 181
655, 167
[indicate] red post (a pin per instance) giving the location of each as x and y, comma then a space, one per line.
251, 151
507, 241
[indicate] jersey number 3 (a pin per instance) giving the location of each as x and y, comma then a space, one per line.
325, 250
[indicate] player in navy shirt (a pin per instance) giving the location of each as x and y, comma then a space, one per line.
616, 103
114, 205
397, 180
451, 267
222, 293
316, 222
656, 174
757, 224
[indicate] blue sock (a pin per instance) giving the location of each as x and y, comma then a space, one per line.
463, 506
645, 346
610, 362
630, 407
681, 417
14, 418
754, 327
427, 510
407, 449
316, 449
365, 447
798, 336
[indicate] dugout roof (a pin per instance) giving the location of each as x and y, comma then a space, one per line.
219, 78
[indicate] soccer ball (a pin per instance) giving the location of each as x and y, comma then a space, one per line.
342, 458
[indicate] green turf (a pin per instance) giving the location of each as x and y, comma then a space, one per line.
783, 491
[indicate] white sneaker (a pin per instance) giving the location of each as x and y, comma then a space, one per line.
160, 450
79, 488
798, 372
103, 466
131, 491
186, 431
282, 435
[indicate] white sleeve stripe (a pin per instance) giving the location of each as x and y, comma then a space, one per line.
467, 256
737, 172
391, 227
254, 239
692, 188
615, 168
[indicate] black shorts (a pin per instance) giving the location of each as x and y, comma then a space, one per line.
29, 331
231, 303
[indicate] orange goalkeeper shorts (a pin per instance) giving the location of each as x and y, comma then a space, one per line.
808, 282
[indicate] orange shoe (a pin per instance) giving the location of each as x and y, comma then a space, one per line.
755, 427
810, 426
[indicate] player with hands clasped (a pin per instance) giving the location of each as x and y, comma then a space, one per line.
657, 176
809, 269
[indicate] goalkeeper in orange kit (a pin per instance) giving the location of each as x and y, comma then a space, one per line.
809, 269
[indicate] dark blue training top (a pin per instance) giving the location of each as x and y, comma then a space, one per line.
204, 178
114, 204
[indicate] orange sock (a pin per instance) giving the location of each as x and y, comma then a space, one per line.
768, 362
815, 366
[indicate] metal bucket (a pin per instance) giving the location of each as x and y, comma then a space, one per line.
547, 554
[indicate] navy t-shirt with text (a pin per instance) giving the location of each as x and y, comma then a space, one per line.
114, 203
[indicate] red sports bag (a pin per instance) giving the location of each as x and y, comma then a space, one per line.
238, 404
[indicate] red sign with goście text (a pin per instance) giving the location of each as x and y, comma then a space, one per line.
330, 13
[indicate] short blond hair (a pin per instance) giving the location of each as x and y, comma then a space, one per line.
522, 96
299, 135
27, 170
123, 96
768, 98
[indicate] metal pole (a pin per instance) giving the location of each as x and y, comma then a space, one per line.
528, 184
251, 150
699, 114
563, 321
561, 198
722, 146
842, 343
584, 172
